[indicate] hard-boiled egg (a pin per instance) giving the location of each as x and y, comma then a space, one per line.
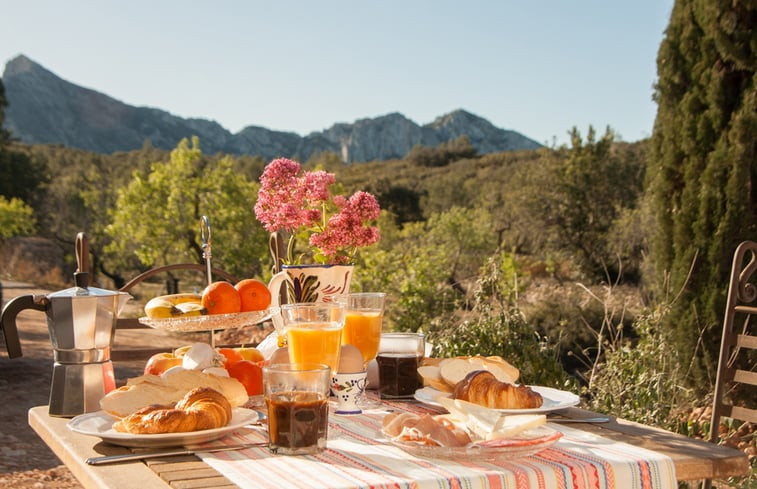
279, 355
350, 360
200, 356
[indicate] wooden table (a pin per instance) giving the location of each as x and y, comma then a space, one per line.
693, 459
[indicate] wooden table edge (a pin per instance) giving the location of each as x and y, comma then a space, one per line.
73, 452
722, 461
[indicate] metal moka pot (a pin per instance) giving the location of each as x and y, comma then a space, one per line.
81, 321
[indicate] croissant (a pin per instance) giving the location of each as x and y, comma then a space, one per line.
482, 387
201, 408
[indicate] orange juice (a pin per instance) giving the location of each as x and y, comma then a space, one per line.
363, 330
315, 343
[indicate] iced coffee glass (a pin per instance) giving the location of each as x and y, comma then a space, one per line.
297, 397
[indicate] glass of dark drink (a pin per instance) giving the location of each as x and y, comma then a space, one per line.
297, 396
398, 359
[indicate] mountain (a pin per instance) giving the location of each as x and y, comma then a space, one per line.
44, 108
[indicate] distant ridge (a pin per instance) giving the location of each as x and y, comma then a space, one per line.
44, 108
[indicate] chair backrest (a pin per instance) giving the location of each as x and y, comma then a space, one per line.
140, 352
733, 374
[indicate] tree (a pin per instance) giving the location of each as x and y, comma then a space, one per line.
16, 218
703, 166
444, 154
157, 216
568, 203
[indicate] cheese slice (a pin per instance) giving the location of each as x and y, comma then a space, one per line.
515, 424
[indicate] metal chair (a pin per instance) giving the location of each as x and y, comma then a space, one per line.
140, 353
732, 375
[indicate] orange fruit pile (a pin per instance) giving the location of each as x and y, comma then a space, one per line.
247, 295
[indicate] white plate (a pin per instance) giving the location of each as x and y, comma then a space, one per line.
527, 443
100, 424
554, 399
210, 322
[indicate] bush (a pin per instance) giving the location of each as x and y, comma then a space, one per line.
640, 379
499, 328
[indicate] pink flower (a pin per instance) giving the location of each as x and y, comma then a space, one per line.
347, 230
290, 201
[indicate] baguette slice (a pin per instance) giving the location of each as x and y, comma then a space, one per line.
432, 377
515, 424
502, 370
454, 370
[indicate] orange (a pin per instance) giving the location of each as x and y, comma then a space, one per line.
221, 298
249, 374
231, 356
254, 293
250, 353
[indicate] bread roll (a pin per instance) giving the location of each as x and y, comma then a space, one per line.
147, 390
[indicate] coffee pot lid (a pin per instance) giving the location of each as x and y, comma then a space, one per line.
82, 288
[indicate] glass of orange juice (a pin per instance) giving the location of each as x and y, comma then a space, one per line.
314, 332
363, 320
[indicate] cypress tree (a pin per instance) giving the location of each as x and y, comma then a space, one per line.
703, 167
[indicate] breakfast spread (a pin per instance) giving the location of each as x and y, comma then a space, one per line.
201, 408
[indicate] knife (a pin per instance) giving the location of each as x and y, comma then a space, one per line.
167, 453
601, 419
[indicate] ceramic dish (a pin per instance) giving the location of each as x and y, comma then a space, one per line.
554, 400
210, 322
527, 443
100, 424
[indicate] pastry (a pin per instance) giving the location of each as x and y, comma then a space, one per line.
482, 387
201, 408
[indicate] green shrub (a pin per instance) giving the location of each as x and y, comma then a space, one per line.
497, 327
640, 379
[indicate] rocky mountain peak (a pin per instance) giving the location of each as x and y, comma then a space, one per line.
44, 108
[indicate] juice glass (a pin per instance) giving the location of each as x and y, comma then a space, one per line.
363, 319
314, 332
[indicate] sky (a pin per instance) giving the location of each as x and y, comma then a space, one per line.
538, 67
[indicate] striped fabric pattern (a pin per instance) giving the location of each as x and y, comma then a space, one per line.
358, 457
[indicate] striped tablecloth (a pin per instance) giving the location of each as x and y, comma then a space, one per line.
358, 457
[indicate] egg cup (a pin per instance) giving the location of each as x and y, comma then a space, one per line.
347, 389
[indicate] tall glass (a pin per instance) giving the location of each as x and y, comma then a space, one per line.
314, 332
363, 321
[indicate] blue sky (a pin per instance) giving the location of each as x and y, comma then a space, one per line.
536, 67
